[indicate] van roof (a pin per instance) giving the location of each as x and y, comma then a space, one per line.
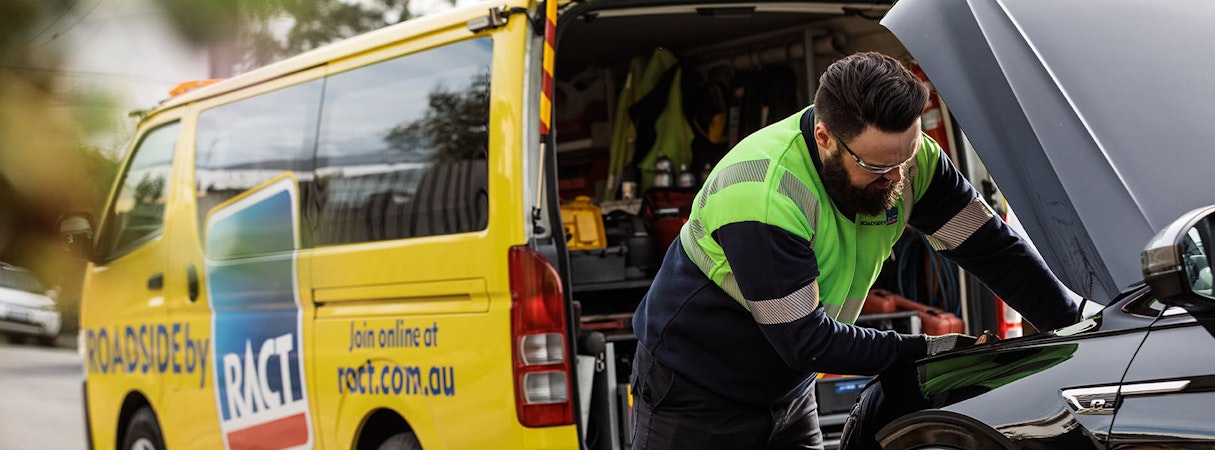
351, 46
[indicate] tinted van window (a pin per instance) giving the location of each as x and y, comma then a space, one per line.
245, 143
403, 147
137, 212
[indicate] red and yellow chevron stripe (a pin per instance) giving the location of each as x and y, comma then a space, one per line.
546, 78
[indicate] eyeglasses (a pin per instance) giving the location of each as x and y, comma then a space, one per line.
877, 170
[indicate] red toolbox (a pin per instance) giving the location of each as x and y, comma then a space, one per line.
933, 321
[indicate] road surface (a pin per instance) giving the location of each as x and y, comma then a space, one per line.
40, 398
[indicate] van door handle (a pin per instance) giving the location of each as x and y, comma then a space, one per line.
156, 282
192, 282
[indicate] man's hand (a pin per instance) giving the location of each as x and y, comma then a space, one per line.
987, 337
952, 341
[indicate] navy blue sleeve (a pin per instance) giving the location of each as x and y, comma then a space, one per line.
767, 260
962, 228
775, 267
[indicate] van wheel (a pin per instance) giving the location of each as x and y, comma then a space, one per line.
46, 341
143, 433
401, 441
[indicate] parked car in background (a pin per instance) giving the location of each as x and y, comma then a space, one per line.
1101, 140
26, 308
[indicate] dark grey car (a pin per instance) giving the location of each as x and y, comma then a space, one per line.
1094, 116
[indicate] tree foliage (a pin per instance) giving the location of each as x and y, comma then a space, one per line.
246, 34
454, 127
47, 164
312, 23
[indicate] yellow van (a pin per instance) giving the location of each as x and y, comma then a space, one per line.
363, 246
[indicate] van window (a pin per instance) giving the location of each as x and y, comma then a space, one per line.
137, 212
403, 147
245, 143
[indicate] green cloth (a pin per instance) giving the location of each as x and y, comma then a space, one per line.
674, 134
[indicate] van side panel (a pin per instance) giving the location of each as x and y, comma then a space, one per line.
128, 347
105, 319
416, 319
189, 317
237, 258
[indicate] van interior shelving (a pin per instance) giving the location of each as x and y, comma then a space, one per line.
742, 66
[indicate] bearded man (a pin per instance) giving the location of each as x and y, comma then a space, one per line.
758, 294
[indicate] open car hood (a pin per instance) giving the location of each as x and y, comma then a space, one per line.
1095, 117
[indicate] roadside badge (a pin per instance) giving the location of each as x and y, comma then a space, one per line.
260, 389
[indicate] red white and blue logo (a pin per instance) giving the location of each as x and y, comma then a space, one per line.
260, 388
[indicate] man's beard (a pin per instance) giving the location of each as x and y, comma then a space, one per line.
870, 200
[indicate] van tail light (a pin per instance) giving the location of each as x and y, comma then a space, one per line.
1008, 320
538, 340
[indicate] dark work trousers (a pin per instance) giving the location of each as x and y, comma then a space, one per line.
671, 412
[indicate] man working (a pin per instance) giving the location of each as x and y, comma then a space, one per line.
784, 240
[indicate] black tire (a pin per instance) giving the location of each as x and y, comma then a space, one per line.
143, 433
946, 433
401, 441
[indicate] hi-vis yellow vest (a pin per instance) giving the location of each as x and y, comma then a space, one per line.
771, 178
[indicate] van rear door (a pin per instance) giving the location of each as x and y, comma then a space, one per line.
416, 211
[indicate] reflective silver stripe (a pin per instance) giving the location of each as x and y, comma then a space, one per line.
693, 231
909, 190
797, 191
847, 312
733, 174
788, 308
961, 226
832, 309
851, 310
730, 285
691, 234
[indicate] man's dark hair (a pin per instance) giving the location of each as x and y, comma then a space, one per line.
868, 89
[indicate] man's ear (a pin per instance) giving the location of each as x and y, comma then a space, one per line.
821, 136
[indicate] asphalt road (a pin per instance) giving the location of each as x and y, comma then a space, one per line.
40, 398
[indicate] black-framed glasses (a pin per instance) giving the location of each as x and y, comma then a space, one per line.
874, 169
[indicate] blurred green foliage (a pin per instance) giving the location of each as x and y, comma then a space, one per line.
48, 163
252, 33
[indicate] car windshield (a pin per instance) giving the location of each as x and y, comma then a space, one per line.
20, 280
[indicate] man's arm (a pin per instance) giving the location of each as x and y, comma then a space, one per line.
776, 272
963, 228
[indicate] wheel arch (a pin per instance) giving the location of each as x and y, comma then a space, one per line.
132, 403
377, 427
943, 428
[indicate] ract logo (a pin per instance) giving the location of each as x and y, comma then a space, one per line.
256, 321
248, 386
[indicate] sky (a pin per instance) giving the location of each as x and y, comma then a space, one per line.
124, 45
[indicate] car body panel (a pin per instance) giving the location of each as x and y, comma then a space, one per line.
1067, 388
1016, 387
1062, 104
1177, 349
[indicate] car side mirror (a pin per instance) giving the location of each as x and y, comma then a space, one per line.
76, 234
1176, 262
